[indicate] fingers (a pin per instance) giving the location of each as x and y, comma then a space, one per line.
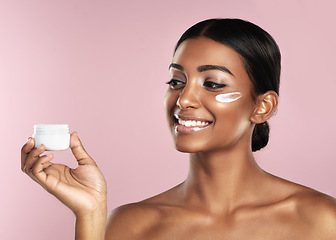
32, 163
38, 169
31, 159
25, 150
79, 152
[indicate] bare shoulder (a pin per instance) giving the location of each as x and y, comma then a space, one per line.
129, 221
132, 221
303, 211
318, 210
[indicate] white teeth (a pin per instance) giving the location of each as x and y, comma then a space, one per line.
193, 123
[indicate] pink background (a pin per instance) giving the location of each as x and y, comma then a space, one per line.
100, 66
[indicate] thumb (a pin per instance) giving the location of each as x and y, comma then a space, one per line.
78, 151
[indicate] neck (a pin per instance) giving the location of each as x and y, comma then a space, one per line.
222, 180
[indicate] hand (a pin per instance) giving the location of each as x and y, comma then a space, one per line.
82, 189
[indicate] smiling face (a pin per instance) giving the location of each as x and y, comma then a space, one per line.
201, 70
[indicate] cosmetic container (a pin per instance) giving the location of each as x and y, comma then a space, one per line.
55, 137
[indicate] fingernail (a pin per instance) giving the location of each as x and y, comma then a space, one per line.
39, 146
28, 141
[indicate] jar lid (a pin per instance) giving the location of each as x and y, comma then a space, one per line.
51, 129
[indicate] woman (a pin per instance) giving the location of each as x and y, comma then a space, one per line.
224, 87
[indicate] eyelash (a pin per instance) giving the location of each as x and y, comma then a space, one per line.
174, 84
213, 85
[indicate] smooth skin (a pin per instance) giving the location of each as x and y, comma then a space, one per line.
225, 196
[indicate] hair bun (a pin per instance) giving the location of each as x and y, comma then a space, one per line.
260, 136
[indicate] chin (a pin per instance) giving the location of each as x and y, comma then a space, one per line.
184, 150
189, 147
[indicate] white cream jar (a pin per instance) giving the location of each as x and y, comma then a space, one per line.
55, 137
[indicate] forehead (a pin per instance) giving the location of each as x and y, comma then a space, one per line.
200, 51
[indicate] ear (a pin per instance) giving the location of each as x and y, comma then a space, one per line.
266, 104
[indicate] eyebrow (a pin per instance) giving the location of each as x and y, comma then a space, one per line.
203, 68
177, 66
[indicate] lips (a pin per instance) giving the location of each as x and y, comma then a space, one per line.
188, 124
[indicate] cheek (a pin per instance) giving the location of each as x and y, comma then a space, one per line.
169, 102
231, 112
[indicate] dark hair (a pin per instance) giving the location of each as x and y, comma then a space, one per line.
260, 55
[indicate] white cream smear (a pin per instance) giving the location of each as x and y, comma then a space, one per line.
228, 97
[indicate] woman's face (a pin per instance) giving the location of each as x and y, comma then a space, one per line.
201, 70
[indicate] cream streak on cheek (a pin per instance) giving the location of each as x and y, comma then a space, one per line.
228, 97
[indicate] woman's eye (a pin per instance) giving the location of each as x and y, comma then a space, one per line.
213, 85
175, 84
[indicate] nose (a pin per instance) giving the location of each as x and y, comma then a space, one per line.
188, 98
